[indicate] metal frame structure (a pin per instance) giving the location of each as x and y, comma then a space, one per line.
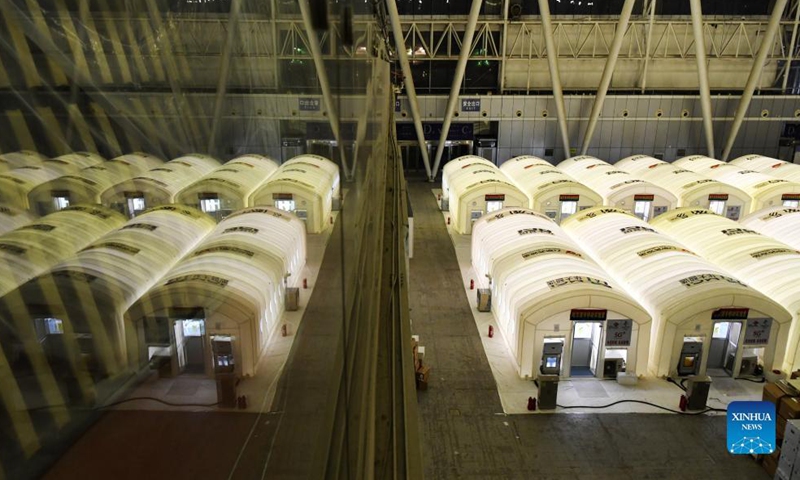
702, 74
755, 75
555, 77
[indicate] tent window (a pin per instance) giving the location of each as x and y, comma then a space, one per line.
493, 206
285, 205
135, 205
60, 202
791, 203
641, 209
583, 330
568, 208
717, 206
209, 205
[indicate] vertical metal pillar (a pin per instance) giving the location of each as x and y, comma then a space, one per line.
455, 88
322, 76
702, 74
608, 73
502, 79
408, 80
643, 80
225, 66
555, 77
755, 73
792, 45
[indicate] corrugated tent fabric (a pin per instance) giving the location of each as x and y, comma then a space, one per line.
769, 166
764, 263
12, 218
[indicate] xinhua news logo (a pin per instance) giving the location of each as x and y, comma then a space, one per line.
751, 428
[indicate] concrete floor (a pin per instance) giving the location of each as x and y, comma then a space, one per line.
465, 433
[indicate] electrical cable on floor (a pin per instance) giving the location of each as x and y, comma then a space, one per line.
763, 380
597, 407
159, 401
679, 385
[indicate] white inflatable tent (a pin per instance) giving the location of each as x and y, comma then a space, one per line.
540, 281
88, 184
764, 190
780, 223
457, 164
33, 248
684, 293
78, 305
477, 190
691, 188
549, 189
619, 188
769, 166
228, 188
22, 158
17, 184
71, 162
12, 218
761, 262
307, 186
235, 280
158, 186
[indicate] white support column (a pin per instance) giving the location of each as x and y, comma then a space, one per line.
504, 39
455, 88
747, 95
555, 77
608, 73
408, 80
649, 41
702, 74
225, 67
792, 45
322, 76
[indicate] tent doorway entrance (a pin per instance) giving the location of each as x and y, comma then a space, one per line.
585, 351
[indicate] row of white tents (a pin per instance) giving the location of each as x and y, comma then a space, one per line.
688, 276
95, 298
307, 185
643, 185
689, 291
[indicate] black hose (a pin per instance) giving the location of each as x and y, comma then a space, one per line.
159, 401
701, 412
672, 381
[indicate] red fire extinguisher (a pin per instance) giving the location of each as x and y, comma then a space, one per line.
439, 197
491, 331
305, 283
284, 330
683, 403
531, 404
472, 284
331, 220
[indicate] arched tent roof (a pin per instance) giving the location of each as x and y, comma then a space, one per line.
89, 292
611, 182
757, 185
531, 261
17, 184
76, 160
769, 166
659, 272
456, 165
12, 218
88, 184
780, 223
479, 179
764, 263
538, 178
35, 247
167, 179
236, 275
684, 184
238, 178
22, 158
315, 174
